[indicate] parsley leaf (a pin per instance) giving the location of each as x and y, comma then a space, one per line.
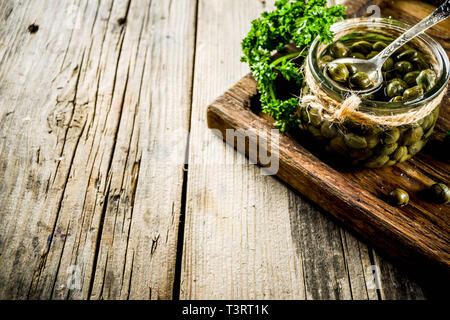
298, 22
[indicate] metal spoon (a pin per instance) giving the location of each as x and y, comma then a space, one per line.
373, 66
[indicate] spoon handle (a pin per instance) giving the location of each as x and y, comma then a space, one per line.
438, 15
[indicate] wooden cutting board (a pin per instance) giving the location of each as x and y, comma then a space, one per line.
417, 234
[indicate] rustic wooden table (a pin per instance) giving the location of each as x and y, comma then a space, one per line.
112, 187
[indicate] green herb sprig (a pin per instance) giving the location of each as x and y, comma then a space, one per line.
298, 22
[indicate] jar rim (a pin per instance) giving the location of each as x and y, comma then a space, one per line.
380, 106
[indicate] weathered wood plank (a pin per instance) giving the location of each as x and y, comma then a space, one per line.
85, 198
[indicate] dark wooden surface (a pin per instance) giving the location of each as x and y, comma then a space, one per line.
417, 234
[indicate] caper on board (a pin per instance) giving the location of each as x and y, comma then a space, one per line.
399, 197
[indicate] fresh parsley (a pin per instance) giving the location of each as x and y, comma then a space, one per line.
298, 22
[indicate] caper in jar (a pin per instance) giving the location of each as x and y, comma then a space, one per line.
351, 68
372, 54
338, 145
387, 149
325, 60
403, 66
379, 46
328, 130
412, 135
439, 193
357, 55
377, 161
412, 93
339, 50
360, 154
426, 79
388, 64
338, 72
314, 117
410, 78
410, 55
361, 46
396, 99
390, 136
399, 197
396, 87
354, 141
400, 153
416, 147
360, 80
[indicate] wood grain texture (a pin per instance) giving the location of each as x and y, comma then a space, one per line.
94, 130
88, 198
417, 233
246, 235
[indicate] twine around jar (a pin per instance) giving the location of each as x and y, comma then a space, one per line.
334, 111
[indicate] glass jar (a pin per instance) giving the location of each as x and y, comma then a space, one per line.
375, 146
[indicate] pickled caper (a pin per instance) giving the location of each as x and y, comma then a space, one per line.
328, 130
412, 93
390, 136
314, 117
379, 46
357, 55
410, 78
371, 55
426, 79
416, 147
325, 60
351, 68
400, 153
376, 162
372, 130
427, 121
338, 72
397, 99
361, 46
396, 87
421, 63
339, 50
360, 154
439, 193
372, 141
354, 141
360, 80
387, 75
403, 66
386, 149
428, 132
410, 55
388, 64
398, 197
304, 116
412, 135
